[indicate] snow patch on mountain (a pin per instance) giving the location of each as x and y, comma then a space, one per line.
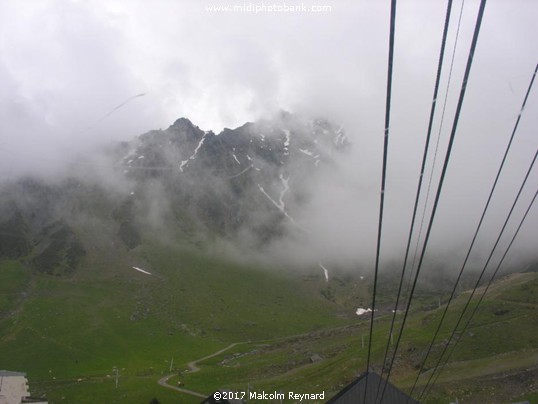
269, 197
280, 205
198, 147
340, 136
183, 163
285, 188
307, 152
141, 270
193, 156
311, 154
286, 142
325, 271
235, 157
241, 172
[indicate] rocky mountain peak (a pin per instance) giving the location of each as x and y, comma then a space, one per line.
249, 180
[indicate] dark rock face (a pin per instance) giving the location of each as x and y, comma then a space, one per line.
33, 228
58, 250
128, 230
254, 174
14, 237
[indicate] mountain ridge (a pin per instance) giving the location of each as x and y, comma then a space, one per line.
240, 184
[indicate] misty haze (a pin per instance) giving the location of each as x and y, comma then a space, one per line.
211, 202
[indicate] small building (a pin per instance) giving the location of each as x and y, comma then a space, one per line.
365, 389
14, 389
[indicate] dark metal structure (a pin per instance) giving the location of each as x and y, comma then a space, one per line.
365, 388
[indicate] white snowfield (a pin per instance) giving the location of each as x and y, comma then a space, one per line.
360, 311
141, 270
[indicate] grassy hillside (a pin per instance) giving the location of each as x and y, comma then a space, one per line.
496, 360
297, 332
68, 332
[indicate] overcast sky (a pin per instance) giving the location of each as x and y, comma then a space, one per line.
65, 65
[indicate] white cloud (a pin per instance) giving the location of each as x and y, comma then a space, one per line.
66, 64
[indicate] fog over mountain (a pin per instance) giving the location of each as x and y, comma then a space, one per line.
79, 78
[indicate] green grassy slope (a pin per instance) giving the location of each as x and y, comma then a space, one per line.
500, 345
64, 329
300, 333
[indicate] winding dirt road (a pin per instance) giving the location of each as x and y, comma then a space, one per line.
164, 382
193, 367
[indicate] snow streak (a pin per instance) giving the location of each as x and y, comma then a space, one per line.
141, 270
184, 162
325, 271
